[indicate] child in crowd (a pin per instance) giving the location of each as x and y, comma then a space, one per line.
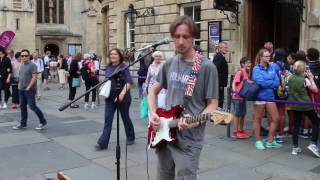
239, 104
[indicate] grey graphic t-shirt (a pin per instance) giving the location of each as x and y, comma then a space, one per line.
173, 76
25, 75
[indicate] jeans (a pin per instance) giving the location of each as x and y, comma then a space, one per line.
110, 109
6, 88
39, 84
72, 90
297, 124
15, 94
28, 98
89, 84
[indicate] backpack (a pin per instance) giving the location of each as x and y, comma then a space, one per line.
249, 91
282, 92
283, 89
315, 70
85, 72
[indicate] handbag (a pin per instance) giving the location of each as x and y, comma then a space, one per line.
76, 82
105, 89
144, 109
249, 90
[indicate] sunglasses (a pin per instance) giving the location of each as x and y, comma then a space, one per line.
24, 55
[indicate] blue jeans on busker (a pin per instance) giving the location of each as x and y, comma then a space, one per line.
110, 109
28, 98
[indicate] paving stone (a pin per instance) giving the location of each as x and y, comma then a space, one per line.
229, 157
305, 161
89, 172
21, 138
56, 129
208, 165
250, 151
27, 160
35, 177
140, 172
83, 144
110, 162
233, 172
274, 169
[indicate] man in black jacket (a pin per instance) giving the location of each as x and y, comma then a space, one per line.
222, 66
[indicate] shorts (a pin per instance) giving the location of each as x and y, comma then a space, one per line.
45, 73
260, 102
239, 107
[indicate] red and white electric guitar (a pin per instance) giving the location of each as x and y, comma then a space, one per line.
169, 122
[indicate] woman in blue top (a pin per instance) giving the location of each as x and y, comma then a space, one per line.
119, 86
264, 75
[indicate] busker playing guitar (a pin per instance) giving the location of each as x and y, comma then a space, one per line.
180, 160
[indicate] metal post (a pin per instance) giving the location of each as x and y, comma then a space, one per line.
229, 89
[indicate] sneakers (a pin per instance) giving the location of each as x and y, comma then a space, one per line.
14, 106
259, 145
273, 144
130, 142
314, 149
241, 135
279, 139
19, 127
41, 126
86, 106
99, 147
93, 106
4, 106
296, 151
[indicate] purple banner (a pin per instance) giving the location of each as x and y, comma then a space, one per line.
6, 38
214, 32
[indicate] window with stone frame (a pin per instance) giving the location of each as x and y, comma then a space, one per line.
50, 11
130, 35
17, 4
193, 11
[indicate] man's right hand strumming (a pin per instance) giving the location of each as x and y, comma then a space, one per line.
154, 120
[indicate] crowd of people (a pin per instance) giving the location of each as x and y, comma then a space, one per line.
288, 82
62, 69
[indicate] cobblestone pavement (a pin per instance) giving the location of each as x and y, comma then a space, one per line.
67, 145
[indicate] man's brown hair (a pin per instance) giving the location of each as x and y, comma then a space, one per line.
186, 20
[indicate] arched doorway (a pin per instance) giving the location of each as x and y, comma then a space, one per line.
275, 21
53, 48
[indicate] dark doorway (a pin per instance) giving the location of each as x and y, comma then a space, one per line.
270, 20
54, 49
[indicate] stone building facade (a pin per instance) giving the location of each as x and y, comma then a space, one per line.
99, 25
277, 21
61, 26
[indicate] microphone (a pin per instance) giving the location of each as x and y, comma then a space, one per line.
159, 43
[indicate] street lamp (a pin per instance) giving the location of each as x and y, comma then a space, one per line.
228, 5
132, 14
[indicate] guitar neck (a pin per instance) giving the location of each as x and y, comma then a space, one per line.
193, 119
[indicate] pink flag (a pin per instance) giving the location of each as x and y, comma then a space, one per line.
6, 38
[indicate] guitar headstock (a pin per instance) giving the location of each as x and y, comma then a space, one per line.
221, 116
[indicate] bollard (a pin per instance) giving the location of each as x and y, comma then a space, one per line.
229, 89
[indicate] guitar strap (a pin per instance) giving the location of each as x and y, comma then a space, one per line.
193, 78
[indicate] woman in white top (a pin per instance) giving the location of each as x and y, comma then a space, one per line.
152, 76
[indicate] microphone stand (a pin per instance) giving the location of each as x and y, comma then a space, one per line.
114, 75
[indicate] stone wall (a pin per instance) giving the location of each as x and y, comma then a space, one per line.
25, 34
